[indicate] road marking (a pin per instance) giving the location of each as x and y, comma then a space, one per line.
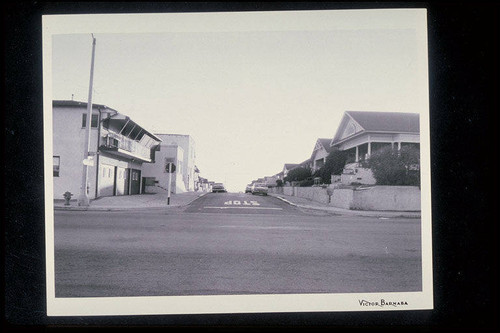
238, 202
260, 227
251, 207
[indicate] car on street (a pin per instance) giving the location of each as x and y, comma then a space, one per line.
218, 187
248, 189
259, 188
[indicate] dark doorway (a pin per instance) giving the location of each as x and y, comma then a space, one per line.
115, 180
135, 181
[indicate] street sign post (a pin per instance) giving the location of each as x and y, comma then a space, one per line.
170, 167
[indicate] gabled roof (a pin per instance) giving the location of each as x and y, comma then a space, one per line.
382, 122
290, 166
305, 162
387, 121
325, 143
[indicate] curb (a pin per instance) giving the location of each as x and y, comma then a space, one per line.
377, 214
125, 208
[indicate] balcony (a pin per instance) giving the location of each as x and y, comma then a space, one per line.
123, 146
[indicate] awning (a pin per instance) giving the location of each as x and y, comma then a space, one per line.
121, 120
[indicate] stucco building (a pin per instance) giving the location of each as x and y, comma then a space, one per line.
156, 175
119, 149
186, 165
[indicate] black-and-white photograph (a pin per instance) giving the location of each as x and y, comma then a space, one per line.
237, 162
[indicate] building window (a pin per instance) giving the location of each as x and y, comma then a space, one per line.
56, 161
93, 123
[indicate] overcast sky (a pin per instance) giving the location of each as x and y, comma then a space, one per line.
251, 100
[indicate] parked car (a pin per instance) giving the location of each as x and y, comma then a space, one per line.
248, 189
218, 187
259, 188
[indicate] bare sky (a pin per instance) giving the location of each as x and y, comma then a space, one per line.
251, 100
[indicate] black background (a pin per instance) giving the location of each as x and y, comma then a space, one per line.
463, 71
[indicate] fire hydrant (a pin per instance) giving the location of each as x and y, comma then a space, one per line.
67, 197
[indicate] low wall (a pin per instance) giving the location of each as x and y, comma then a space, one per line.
288, 190
390, 198
397, 198
317, 194
342, 198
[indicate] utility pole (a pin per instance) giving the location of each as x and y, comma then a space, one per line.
83, 199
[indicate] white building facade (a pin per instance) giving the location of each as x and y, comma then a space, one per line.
119, 149
156, 175
186, 165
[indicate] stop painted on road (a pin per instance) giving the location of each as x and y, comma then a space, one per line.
241, 203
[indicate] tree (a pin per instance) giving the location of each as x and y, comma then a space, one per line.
396, 167
334, 164
298, 174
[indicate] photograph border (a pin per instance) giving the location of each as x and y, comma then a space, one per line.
464, 85
238, 21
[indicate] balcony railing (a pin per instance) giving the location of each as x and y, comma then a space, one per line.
127, 145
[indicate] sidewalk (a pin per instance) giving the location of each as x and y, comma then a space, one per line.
309, 204
133, 202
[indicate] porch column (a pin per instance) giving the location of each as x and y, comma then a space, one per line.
369, 149
399, 145
357, 154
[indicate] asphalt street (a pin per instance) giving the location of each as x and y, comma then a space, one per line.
240, 203
233, 243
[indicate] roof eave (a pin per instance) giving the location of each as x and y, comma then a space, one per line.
371, 132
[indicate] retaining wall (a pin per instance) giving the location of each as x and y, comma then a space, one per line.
397, 198
317, 194
393, 198
342, 198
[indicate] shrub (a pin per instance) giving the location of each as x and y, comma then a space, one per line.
279, 183
396, 167
307, 182
298, 174
335, 162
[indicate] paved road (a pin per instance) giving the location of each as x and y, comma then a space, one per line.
233, 244
240, 203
